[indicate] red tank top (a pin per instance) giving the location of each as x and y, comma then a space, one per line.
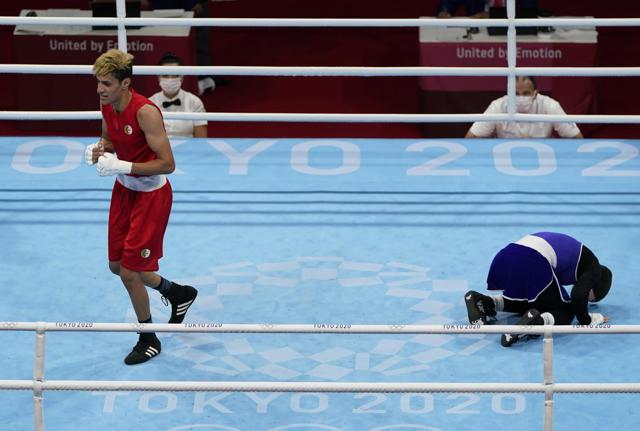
128, 139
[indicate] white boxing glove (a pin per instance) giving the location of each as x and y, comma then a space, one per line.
596, 318
88, 152
109, 164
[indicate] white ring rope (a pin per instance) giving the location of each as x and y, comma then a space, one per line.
333, 117
306, 71
197, 386
352, 387
334, 328
324, 22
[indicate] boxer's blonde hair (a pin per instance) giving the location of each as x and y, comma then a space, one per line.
114, 61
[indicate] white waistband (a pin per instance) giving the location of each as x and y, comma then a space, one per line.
142, 184
541, 246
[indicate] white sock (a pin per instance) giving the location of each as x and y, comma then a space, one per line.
548, 318
498, 300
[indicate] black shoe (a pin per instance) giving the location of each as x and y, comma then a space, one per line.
531, 317
181, 298
143, 351
480, 308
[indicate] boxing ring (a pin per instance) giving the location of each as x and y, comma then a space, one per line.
331, 272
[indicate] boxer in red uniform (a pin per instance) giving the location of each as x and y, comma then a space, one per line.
134, 147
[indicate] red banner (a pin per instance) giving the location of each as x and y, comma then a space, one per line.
488, 54
455, 94
53, 92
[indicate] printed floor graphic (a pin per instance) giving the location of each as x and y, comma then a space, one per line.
332, 232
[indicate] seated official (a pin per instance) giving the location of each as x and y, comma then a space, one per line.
173, 98
528, 101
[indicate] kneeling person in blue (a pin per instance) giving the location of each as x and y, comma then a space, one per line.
532, 274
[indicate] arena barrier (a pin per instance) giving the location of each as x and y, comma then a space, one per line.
547, 386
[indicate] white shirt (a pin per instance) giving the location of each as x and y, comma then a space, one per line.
189, 102
511, 129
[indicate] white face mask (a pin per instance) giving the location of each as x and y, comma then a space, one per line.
170, 85
524, 104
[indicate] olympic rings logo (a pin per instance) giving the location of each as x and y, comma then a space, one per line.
9, 325
396, 327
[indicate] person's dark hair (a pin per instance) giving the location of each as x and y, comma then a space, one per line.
532, 79
601, 288
169, 57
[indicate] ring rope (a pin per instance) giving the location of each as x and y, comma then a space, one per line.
351, 387
272, 328
306, 71
333, 117
324, 22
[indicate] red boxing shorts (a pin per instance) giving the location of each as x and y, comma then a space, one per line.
137, 223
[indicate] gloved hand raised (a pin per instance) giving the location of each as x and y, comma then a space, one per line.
93, 151
109, 164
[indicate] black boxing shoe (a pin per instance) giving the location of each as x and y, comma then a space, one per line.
480, 308
531, 317
144, 350
181, 298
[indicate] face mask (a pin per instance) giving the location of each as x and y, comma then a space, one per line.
170, 85
524, 104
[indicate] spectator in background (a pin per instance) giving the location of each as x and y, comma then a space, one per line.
200, 9
173, 98
528, 101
